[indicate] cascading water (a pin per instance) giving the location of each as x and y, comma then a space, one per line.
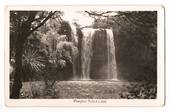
74, 58
86, 52
98, 54
112, 67
96, 59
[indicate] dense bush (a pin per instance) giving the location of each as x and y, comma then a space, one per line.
89, 89
140, 91
136, 45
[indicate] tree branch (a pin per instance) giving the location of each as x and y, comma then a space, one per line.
36, 19
98, 14
101, 15
49, 16
106, 12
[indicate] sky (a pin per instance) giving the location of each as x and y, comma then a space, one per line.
79, 17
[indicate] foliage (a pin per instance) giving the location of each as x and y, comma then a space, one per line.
33, 63
140, 91
61, 62
67, 50
61, 51
22, 25
32, 22
33, 55
102, 23
65, 29
136, 45
90, 89
55, 47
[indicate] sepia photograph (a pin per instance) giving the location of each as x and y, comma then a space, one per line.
84, 55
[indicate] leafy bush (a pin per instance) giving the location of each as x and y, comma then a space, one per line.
136, 45
61, 61
140, 91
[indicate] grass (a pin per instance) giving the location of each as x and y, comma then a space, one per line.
89, 90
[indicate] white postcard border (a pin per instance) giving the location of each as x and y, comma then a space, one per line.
160, 101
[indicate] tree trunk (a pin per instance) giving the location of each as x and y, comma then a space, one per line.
17, 84
24, 32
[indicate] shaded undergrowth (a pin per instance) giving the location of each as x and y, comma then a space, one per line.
89, 90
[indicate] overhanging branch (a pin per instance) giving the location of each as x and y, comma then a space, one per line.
48, 17
98, 14
102, 15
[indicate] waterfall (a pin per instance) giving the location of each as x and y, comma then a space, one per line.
98, 54
86, 52
112, 67
74, 57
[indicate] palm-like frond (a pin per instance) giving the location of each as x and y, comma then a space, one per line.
32, 61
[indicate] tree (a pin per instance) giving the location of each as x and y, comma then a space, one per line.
22, 25
65, 29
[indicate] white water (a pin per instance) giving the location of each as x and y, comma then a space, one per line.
87, 54
74, 57
112, 67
